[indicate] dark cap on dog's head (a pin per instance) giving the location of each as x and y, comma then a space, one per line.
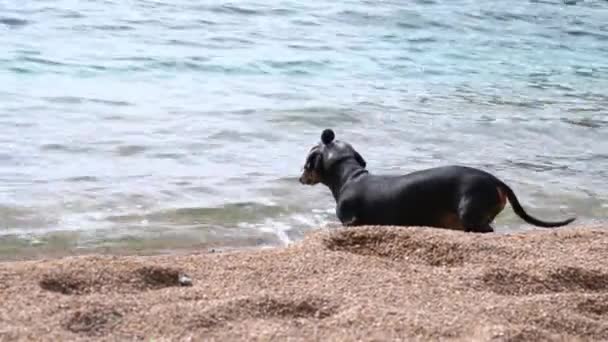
327, 136
323, 156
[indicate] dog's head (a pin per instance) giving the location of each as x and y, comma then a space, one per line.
326, 155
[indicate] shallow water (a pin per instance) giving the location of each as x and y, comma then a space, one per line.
183, 123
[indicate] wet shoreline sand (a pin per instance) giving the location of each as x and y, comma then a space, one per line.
368, 283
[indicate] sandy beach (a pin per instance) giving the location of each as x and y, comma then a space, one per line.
364, 284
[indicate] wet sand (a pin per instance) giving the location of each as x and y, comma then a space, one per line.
369, 284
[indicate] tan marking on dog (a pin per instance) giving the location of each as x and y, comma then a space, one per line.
450, 221
502, 198
310, 177
502, 202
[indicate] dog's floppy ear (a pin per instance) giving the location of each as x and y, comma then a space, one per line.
318, 162
360, 159
314, 161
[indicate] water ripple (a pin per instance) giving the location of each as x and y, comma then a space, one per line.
13, 22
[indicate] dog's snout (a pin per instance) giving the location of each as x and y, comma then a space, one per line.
309, 177
303, 179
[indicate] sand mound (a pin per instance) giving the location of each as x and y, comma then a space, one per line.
94, 321
78, 279
260, 308
395, 245
368, 283
560, 279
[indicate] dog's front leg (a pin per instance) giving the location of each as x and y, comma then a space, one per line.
347, 220
345, 213
350, 223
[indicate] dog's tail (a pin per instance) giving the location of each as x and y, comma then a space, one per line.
519, 210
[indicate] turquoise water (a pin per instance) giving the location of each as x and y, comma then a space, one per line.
186, 123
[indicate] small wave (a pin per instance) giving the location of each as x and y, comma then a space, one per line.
13, 22
4, 157
42, 61
360, 18
582, 33
415, 22
31, 52
230, 135
188, 64
228, 215
408, 25
586, 122
135, 59
585, 109
549, 85
318, 116
12, 218
194, 66
281, 11
169, 155
297, 64
305, 22
79, 100
115, 28
79, 179
65, 148
422, 40
117, 103
19, 70
70, 14
65, 99
304, 47
523, 104
224, 39
548, 166
231, 9
130, 150
181, 42
137, 22
546, 2
199, 23
586, 72
201, 190
290, 228
509, 17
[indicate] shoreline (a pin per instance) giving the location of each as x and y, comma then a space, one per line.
365, 283
180, 246
42, 253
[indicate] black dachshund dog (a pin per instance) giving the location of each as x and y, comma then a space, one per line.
451, 197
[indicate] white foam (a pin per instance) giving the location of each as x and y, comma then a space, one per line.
274, 227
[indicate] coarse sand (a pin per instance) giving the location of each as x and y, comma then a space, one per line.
345, 284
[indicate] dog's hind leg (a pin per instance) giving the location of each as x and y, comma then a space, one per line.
486, 229
350, 223
476, 214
